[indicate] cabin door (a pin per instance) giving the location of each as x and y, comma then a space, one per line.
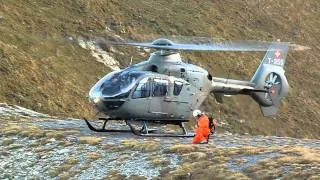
158, 107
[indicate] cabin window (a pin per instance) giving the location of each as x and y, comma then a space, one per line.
160, 88
154, 68
177, 88
142, 90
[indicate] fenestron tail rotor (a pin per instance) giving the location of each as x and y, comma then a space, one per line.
272, 85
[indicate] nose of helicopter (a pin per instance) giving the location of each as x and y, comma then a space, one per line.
106, 105
110, 92
97, 101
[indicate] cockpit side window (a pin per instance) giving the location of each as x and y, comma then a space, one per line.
143, 89
177, 88
159, 88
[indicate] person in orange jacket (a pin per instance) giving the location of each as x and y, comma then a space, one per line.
202, 130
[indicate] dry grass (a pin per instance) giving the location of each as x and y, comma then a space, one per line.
195, 156
72, 132
67, 175
301, 175
90, 140
264, 171
212, 163
85, 166
32, 131
11, 129
160, 162
59, 170
81, 147
94, 156
15, 146
147, 146
65, 143
71, 161
14, 118
114, 175
183, 148
136, 177
182, 172
144, 146
301, 155
272, 172
203, 170
109, 146
300, 162
35, 144
55, 134
248, 150
131, 143
63, 171
7, 142
123, 157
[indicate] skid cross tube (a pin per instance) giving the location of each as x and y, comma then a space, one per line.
146, 133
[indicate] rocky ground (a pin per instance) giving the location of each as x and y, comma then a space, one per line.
34, 145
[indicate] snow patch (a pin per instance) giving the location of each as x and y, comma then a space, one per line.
297, 47
100, 55
14, 110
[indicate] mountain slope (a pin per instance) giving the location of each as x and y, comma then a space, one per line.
40, 70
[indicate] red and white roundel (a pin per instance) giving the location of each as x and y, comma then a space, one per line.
272, 91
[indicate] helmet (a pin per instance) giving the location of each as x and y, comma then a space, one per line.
196, 113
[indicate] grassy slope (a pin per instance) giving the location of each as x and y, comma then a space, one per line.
54, 77
47, 75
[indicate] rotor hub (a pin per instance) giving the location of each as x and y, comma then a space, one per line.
162, 42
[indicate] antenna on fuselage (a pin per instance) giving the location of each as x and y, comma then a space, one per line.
228, 77
131, 61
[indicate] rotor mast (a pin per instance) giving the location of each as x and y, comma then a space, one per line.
168, 57
163, 55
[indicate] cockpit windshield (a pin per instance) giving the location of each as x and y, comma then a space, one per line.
119, 84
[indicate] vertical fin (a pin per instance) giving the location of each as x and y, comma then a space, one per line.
270, 77
276, 54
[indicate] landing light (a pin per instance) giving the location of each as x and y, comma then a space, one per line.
96, 100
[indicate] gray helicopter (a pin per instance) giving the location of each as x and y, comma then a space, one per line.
166, 90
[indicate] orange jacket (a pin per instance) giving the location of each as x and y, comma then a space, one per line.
203, 122
202, 131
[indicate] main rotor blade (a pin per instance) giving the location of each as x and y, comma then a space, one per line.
166, 44
178, 42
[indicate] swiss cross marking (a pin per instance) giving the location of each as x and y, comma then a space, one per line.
277, 54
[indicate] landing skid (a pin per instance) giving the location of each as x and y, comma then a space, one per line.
103, 129
144, 131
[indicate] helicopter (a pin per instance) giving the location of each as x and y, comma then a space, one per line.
165, 90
